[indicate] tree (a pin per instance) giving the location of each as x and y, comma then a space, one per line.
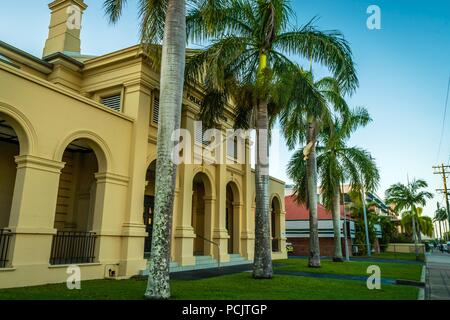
162, 20
338, 163
440, 216
303, 121
423, 224
246, 56
407, 198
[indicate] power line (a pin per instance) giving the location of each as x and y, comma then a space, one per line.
443, 121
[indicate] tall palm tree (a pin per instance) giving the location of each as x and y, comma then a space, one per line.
162, 21
338, 163
249, 41
407, 198
302, 122
440, 215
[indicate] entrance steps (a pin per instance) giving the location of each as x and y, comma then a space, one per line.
204, 262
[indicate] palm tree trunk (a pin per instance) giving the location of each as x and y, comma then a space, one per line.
311, 171
416, 247
171, 96
440, 230
262, 265
419, 231
337, 226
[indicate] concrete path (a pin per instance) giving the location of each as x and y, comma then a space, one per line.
438, 276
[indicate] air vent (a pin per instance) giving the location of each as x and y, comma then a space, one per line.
155, 111
112, 102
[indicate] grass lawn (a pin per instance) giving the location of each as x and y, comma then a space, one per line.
357, 268
396, 256
237, 286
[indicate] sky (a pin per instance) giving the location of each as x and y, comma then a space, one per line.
403, 69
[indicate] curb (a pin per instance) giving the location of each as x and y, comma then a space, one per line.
421, 295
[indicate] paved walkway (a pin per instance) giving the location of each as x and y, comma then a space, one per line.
438, 276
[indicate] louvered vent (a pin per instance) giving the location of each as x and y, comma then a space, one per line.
112, 102
155, 112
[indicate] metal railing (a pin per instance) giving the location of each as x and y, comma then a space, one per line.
73, 247
5, 237
215, 244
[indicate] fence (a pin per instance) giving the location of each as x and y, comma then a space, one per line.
73, 247
5, 237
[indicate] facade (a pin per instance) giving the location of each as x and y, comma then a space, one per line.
78, 138
297, 228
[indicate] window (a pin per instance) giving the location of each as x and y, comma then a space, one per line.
112, 102
232, 147
155, 109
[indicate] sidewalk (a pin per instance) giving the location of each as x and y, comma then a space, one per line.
438, 276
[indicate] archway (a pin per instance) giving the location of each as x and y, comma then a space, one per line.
9, 149
201, 213
232, 218
75, 208
149, 206
275, 230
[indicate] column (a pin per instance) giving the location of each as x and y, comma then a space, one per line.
248, 217
33, 210
220, 233
137, 102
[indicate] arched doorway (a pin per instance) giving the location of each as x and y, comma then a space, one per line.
75, 208
201, 214
149, 206
275, 230
232, 218
9, 149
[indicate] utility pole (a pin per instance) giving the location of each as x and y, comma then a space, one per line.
443, 170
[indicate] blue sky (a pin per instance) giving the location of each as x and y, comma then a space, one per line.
403, 71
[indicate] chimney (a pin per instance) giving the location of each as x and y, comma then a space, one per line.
65, 27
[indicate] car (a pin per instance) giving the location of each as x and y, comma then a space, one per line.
289, 248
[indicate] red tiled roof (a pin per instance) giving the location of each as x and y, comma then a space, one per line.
295, 211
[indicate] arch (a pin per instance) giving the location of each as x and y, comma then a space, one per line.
22, 127
232, 216
237, 189
95, 142
208, 178
202, 212
149, 205
275, 223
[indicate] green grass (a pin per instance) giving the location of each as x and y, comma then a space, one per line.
358, 268
238, 286
396, 256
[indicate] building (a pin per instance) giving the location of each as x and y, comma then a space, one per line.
297, 223
297, 228
78, 138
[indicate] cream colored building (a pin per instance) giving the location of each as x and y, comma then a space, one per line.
78, 139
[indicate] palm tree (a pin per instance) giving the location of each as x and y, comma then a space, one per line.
440, 216
162, 20
249, 40
339, 163
303, 121
423, 224
407, 198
